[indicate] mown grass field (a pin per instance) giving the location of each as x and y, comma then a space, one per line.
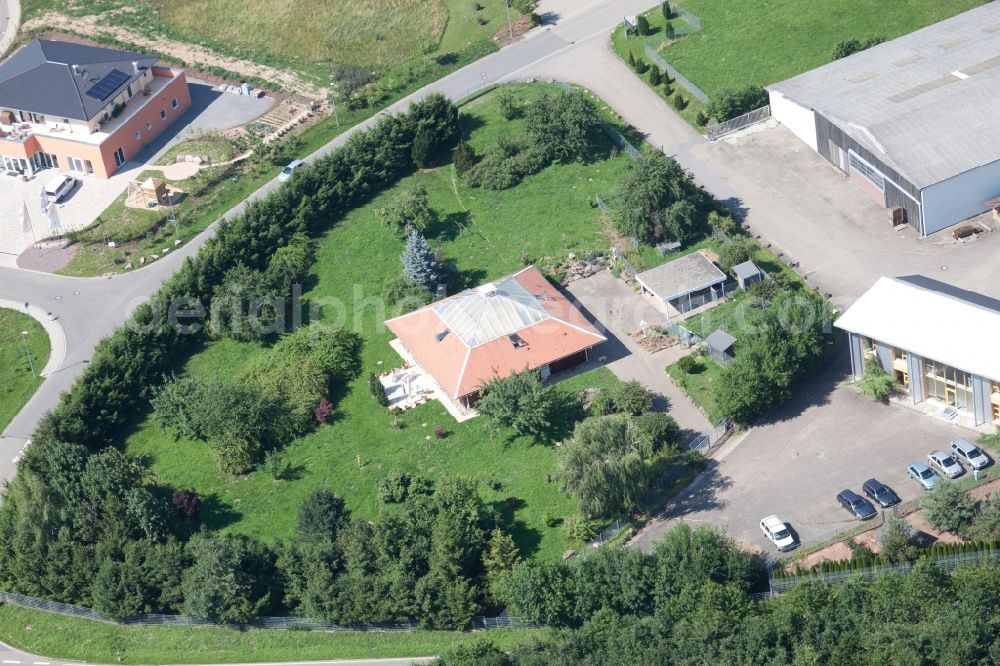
700, 384
59, 637
16, 381
486, 234
302, 35
744, 43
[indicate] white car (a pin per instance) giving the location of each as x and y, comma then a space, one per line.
774, 528
286, 173
57, 188
967, 452
944, 463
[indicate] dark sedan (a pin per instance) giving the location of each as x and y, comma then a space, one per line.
880, 492
859, 507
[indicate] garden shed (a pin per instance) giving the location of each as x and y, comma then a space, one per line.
719, 346
686, 283
747, 273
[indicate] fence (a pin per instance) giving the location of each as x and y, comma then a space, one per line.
719, 130
947, 562
674, 74
502, 621
619, 139
720, 433
606, 534
600, 204
687, 338
685, 304
693, 20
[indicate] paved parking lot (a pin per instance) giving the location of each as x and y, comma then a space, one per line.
825, 440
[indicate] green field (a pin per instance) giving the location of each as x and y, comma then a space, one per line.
700, 384
59, 637
18, 384
302, 35
486, 234
743, 43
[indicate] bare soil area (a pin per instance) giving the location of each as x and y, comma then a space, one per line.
195, 56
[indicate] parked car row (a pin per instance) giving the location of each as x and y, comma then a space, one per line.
962, 452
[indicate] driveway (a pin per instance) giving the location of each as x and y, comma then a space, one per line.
830, 437
617, 310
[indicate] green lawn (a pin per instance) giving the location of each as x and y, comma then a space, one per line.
743, 43
485, 234
700, 384
59, 637
18, 384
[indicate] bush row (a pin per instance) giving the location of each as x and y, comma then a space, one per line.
858, 563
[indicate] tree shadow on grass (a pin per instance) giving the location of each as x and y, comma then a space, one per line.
566, 411
447, 227
217, 513
527, 538
469, 123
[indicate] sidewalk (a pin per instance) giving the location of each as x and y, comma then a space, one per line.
10, 22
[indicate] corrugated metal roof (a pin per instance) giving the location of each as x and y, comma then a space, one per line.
924, 103
747, 269
682, 276
488, 312
39, 78
931, 319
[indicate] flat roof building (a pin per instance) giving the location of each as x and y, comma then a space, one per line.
939, 342
913, 122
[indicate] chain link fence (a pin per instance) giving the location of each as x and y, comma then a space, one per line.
693, 20
719, 130
720, 433
947, 562
602, 205
674, 74
502, 621
606, 535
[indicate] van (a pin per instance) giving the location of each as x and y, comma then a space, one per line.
57, 188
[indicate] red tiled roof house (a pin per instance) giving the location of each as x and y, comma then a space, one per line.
519, 321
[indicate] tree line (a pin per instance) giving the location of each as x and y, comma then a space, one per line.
82, 522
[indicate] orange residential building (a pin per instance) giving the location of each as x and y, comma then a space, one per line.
83, 109
515, 323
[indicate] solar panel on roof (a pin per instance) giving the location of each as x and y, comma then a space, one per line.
109, 83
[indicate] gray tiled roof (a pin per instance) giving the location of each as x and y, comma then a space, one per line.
38, 77
925, 103
682, 276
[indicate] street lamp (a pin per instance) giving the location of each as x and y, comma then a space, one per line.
27, 352
509, 23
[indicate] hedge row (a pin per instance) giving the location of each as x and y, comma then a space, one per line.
938, 550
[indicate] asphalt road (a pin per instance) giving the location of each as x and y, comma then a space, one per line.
10, 15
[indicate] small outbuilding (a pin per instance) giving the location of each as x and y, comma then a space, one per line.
719, 346
747, 273
684, 283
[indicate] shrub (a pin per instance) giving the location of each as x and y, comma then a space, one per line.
519, 401
852, 46
465, 158
898, 540
187, 503
508, 103
735, 251
377, 390
404, 295
669, 29
630, 59
876, 383
440, 432
668, 13
701, 119
424, 148
398, 486
631, 398
275, 465
323, 411
603, 403
688, 364
987, 523
654, 76
408, 210
679, 102
321, 516
641, 66
949, 509
579, 530
735, 102
563, 126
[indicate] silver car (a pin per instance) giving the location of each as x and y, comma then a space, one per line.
967, 452
945, 464
923, 475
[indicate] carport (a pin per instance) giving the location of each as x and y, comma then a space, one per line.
686, 283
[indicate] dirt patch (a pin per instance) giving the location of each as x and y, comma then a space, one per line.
652, 339
47, 257
833, 552
191, 54
521, 26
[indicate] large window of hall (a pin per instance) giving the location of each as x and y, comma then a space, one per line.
953, 387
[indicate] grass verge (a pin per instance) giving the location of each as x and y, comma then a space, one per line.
60, 637
18, 382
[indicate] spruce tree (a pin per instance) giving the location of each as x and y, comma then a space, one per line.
465, 157
419, 266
